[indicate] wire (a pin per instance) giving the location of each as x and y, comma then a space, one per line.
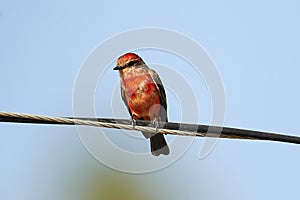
182, 129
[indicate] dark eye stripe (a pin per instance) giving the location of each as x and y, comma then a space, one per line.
130, 63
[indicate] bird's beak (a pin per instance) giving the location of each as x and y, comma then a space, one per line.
117, 68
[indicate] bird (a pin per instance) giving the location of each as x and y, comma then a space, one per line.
144, 96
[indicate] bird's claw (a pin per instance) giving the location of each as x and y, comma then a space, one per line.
156, 124
133, 123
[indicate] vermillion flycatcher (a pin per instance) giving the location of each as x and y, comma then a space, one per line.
144, 96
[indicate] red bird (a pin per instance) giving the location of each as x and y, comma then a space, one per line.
144, 96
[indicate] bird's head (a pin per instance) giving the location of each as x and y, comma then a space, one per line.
128, 60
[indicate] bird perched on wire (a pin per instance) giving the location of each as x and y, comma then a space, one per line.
144, 96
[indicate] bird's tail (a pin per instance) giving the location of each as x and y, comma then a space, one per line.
158, 144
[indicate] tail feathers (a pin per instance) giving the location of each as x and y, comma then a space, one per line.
159, 145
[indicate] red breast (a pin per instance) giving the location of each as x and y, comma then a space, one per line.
141, 94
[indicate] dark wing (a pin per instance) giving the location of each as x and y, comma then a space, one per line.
162, 95
124, 98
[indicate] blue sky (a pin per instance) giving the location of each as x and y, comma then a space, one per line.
254, 45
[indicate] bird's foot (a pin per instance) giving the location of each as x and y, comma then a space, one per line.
133, 122
156, 124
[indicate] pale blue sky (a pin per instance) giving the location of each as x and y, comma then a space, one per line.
254, 44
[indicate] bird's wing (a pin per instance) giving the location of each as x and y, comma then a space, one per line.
162, 95
124, 98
